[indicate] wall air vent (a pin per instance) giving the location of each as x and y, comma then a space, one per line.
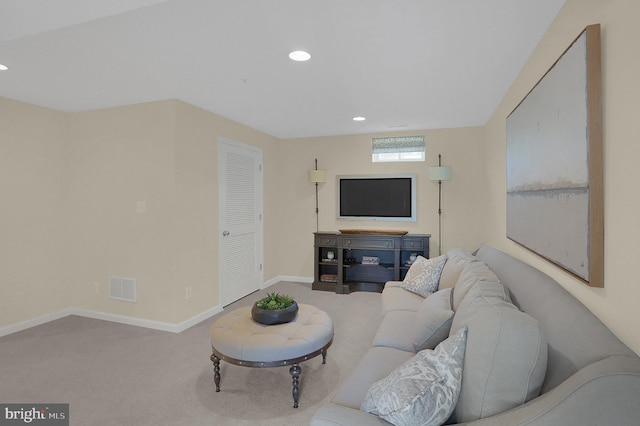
122, 289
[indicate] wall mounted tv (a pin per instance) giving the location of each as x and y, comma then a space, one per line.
377, 197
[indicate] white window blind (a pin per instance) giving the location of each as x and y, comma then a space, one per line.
397, 148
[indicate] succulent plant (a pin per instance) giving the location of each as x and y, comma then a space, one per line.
275, 301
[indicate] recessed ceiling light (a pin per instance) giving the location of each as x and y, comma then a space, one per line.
359, 118
3, 67
300, 55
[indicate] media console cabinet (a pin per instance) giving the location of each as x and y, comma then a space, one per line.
363, 262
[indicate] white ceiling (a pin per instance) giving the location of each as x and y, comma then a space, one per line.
403, 64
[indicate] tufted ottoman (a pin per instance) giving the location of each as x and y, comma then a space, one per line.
237, 339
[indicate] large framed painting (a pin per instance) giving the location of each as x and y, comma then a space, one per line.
554, 164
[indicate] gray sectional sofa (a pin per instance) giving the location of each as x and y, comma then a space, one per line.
534, 354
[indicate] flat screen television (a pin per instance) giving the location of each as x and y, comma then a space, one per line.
377, 197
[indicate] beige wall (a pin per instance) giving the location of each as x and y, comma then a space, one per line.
33, 230
166, 155
71, 184
118, 157
616, 303
463, 208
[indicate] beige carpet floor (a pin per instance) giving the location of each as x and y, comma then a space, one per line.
115, 374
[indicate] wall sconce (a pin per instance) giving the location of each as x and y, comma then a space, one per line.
439, 174
317, 176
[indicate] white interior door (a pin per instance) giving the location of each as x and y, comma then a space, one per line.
240, 177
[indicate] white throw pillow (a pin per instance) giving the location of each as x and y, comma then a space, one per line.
423, 276
433, 320
424, 390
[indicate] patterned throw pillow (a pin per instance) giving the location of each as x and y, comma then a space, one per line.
424, 390
424, 275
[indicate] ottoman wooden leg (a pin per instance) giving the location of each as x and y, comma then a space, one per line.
216, 371
295, 371
324, 356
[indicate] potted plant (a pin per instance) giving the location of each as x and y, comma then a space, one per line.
274, 309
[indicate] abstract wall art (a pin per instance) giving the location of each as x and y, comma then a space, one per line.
554, 164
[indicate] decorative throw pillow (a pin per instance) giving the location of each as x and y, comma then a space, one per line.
457, 259
424, 275
505, 354
433, 320
471, 274
424, 390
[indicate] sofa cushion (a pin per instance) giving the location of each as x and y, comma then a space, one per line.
482, 294
376, 364
457, 259
432, 322
423, 276
506, 353
469, 276
395, 330
423, 390
395, 298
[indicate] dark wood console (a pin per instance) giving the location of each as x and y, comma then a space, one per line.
363, 262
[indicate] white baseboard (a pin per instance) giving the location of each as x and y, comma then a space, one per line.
138, 322
141, 322
23, 325
105, 316
291, 278
188, 323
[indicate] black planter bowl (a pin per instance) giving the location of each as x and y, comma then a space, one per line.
271, 317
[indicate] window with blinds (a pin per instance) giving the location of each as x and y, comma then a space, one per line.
397, 148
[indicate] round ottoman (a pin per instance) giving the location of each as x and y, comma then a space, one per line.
237, 339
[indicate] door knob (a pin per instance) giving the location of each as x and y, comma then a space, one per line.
225, 233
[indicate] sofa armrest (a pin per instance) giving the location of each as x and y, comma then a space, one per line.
338, 415
603, 393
